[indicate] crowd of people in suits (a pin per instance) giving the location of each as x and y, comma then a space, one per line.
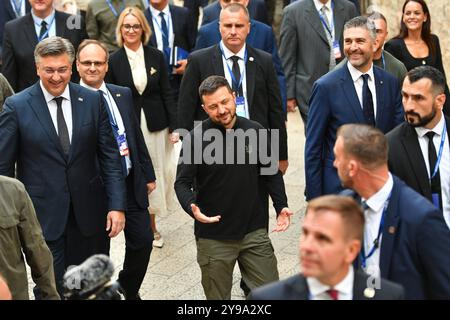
93, 104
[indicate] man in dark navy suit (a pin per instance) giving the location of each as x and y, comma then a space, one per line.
92, 64
405, 238
58, 134
330, 242
9, 10
256, 9
356, 93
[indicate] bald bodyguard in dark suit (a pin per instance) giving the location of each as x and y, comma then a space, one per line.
59, 136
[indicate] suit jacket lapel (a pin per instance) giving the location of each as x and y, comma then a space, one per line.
218, 62
411, 144
250, 74
338, 16
312, 16
390, 229
60, 24
148, 15
379, 82
301, 287
349, 90
9, 9
40, 108
30, 31
118, 100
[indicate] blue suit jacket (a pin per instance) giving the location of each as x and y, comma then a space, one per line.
334, 102
89, 179
142, 166
415, 245
256, 8
260, 37
7, 14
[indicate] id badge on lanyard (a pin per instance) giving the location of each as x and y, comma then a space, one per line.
123, 145
337, 50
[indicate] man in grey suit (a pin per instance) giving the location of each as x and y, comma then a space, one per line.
311, 45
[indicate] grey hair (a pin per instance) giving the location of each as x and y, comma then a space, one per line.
54, 46
362, 22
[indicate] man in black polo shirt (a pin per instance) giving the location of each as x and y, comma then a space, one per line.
226, 155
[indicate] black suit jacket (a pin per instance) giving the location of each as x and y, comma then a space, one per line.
157, 98
20, 40
7, 14
256, 8
88, 181
406, 160
142, 167
296, 288
263, 92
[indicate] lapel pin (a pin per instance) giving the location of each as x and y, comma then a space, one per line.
381, 81
152, 71
251, 59
391, 230
118, 95
369, 293
80, 99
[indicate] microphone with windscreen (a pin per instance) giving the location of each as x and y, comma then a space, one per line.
91, 280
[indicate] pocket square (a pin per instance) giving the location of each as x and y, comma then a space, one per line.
152, 71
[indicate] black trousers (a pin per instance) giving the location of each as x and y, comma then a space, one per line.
72, 249
138, 244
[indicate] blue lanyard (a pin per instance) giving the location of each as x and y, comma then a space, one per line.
376, 242
159, 25
331, 21
233, 79
46, 32
17, 9
113, 10
441, 149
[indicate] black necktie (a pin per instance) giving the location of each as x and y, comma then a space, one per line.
63, 133
367, 99
43, 30
237, 76
435, 182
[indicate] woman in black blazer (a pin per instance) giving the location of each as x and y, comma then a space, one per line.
415, 45
143, 69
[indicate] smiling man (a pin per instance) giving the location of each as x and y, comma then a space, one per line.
356, 93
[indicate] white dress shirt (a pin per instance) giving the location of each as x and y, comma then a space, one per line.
227, 54
51, 23
444, 166
114, 110
329, 14
137, 65
65, 105
157, 26
358, 83
376, 204
21, 9
318, 290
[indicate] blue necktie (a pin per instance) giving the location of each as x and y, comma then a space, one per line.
369, 114
165, 37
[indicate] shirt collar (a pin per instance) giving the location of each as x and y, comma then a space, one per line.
319, 5
421, 131
102, 87
356, 74
155, 12
227, 53
134, 54
47, 19
49, 97
345, 286
377, 201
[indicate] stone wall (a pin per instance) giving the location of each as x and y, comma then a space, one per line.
440, 25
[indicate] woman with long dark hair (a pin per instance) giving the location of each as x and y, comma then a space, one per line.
415, 45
